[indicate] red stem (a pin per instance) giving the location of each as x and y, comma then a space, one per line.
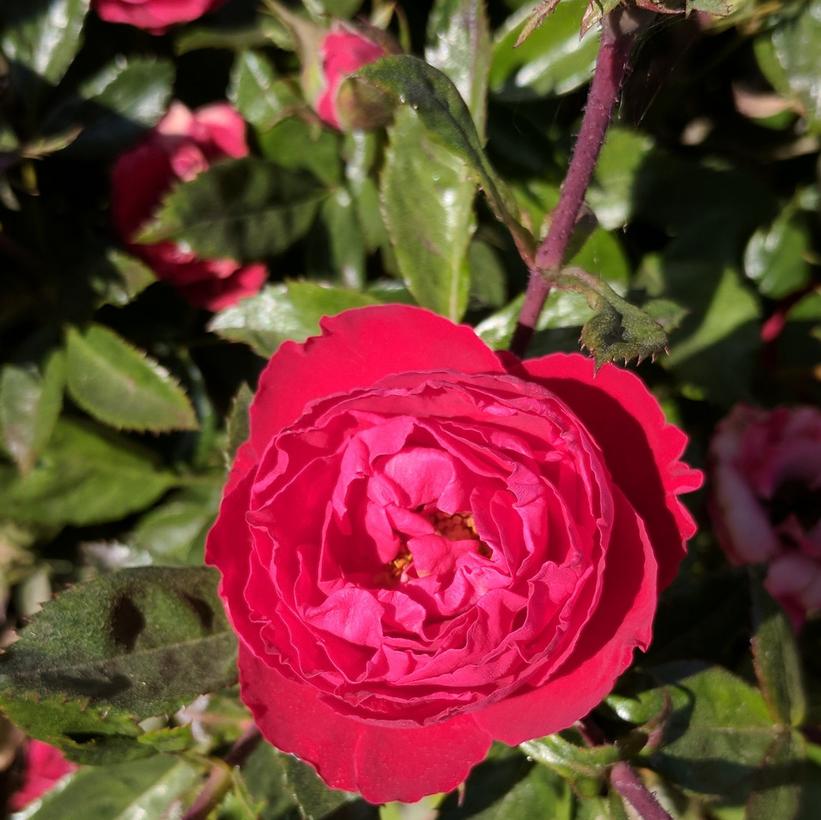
627, 783
612, 64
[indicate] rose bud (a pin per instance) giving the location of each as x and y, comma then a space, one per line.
44, 768
766, 499
183, 144
426, 546
155, 16
342, 52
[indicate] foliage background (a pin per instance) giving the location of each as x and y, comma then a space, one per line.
119, 402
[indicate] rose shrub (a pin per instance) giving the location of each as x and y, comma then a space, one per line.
44, 768
342, 52
154, 15
766, 499
425, 546
183, 144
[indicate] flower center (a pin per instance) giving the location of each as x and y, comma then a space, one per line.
452, 527
456, 527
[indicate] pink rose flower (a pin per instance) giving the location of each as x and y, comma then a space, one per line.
153, 15
343, 52
45, 766
183, 144
766, 499
425, 546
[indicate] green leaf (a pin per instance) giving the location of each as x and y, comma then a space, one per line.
174, 533
458, 40
333, 8
124, 791
342, 251
30, 400
300, 144
553, 60
427, 204
409, 81
776, 258
40, 40
238, 423
795, 65
245, 209
121, 386
613, 191
115, 106
488, 277
776, 658
716, 345
777, 789
569, 758
260, 32
85, 475
719, 732
118, 278
510, 786
601, 253
538, 14
140, 642
259, 94
281, 312
314, 799
264, 780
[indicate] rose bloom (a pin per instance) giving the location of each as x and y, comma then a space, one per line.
343, 52
426, 546
183, 144
153, 15
45, 766
766, 499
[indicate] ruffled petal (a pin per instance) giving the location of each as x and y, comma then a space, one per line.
601, 655
381, 763
356, 349
641, 450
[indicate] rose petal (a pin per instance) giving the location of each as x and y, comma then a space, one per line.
356, 756
356, 349
601, 654
640, 449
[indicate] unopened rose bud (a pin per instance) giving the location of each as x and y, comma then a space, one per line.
344, 51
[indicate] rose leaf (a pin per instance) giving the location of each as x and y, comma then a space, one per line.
244, 209
121, 386
776, 659
118, 649
405, 80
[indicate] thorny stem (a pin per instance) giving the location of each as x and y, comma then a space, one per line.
627, 783
612, 65
219, 780
623, 777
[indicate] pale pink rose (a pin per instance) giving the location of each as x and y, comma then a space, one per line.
766, 499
